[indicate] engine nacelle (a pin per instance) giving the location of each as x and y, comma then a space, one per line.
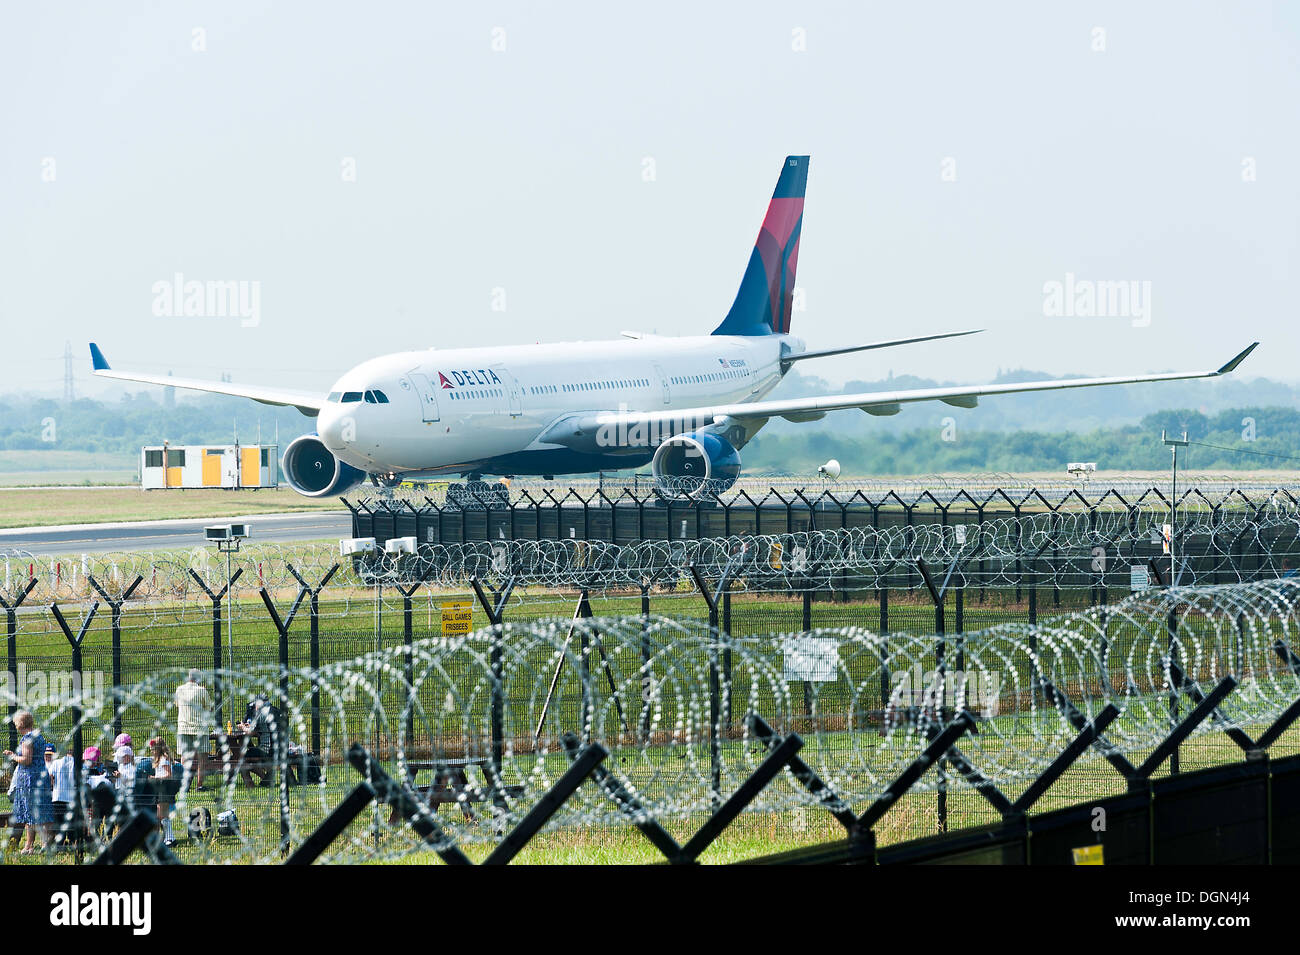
695, 464
312, 470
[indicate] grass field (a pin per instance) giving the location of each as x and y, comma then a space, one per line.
154, 644
606, 840
23, 507
48, 465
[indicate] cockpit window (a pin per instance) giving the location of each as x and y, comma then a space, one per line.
334, 396
380, 397
351, 396
370, 398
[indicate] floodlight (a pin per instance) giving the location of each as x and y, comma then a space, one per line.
830, 469
400, 545
350, 546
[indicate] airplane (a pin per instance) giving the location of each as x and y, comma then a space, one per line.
686, 405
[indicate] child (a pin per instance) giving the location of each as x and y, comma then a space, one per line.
125, 757
162, 769
94, 775
62, 775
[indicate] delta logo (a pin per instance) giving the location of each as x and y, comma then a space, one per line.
483, 376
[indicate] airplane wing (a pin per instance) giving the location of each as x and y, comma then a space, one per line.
308, 404
788, 360
581, 430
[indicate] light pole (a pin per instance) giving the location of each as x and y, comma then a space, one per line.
227, 537
1173, 444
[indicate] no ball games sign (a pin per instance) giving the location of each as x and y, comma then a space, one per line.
457, 618
810, 659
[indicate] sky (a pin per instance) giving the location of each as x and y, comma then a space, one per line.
407, 175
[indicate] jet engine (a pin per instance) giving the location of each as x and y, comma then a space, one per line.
312, 470
695, 464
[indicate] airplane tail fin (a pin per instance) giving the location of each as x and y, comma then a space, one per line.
766, 295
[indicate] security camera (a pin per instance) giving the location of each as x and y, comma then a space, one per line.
830, 469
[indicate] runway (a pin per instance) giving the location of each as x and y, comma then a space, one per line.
171, 534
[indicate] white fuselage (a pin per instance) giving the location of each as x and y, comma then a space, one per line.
483, 409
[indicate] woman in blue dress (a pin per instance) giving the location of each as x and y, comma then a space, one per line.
31, 796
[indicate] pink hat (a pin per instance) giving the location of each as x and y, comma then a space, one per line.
91, 754
123, 739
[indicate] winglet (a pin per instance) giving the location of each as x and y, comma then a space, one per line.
1232, 365
97, 360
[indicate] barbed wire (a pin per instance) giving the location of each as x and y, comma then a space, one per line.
989, 487
1057, 549
647, 688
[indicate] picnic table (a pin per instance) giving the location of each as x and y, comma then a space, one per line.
236, 741
451, 783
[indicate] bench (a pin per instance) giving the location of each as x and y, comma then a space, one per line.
451, 784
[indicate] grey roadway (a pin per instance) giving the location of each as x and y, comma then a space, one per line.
171, 534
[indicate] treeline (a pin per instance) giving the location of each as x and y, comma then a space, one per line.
1253, 437
1247, 439
1076, 410
138, 419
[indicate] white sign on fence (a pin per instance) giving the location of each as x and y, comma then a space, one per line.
1139, 578
811, 659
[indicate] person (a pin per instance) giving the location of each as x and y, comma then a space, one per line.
262, 720
63, 780
123, 739
193, 706
125, 757
31, 796
94, 774
162, 770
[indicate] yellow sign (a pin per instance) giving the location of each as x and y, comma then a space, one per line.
457, 618
1088, 855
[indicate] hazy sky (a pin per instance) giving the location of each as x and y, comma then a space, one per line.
504, 146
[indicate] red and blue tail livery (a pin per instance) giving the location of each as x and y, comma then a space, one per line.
766, 295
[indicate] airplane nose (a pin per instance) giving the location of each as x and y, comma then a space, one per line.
329, 425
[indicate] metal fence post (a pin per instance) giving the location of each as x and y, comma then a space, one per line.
495, 610
11, 642
1174, 666
313, 639
647, 681
807, 628
216, 635
280, 755
715, 684
115, 607
77, 741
